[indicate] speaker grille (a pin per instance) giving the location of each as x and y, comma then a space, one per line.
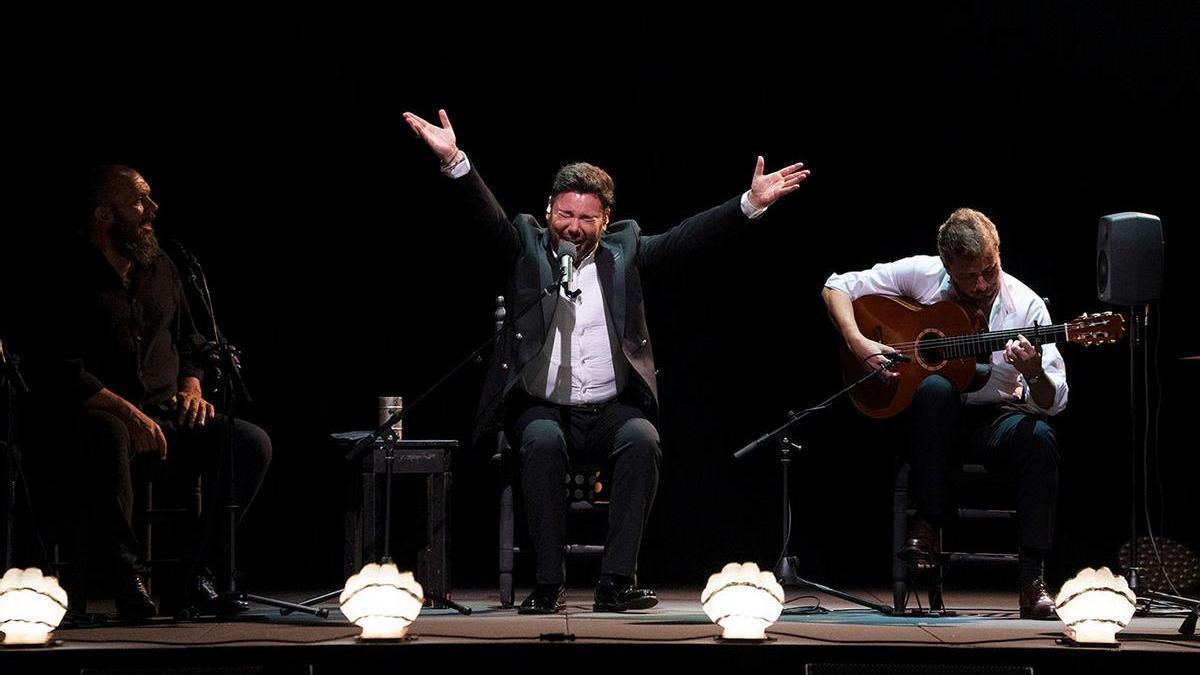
1129, 258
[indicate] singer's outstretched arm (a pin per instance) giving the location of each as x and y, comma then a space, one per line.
480, 204
708, 230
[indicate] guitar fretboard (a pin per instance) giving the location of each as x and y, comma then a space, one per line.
985, 343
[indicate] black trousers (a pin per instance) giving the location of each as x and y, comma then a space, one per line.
546, 437
1006, 441
95, 468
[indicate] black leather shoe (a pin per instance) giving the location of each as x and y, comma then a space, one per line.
132, 600
618, 594
1035, 601
204, 598
545, 599
923, 546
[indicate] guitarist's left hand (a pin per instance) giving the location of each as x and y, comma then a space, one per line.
1025, 357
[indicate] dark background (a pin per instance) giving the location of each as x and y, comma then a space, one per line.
274, 144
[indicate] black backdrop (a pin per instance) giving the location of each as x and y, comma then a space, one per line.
274, 144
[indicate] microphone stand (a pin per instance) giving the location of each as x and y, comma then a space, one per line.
382, 430
1189, 605
386, 434
227, 367
785, 568
13, 385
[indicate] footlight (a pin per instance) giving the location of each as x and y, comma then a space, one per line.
31, 606
383, 601
743, 601
1095, 605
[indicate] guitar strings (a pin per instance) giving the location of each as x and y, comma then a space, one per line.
1039, 332
983, 338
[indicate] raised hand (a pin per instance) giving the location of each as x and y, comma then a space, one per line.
440, 140
765, 189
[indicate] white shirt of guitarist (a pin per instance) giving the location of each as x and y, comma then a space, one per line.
924, 279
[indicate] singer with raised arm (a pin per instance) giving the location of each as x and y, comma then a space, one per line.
118, 376
1002, 419
574, 377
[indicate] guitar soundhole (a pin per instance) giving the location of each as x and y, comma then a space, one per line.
930, 356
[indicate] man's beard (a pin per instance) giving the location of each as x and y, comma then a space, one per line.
140, 245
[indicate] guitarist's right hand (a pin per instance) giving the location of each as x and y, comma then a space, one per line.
869, 354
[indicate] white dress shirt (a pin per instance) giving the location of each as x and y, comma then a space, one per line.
580, 365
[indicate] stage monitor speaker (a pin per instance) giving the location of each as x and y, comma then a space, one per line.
1129, 258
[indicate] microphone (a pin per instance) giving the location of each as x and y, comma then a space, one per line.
188, 258
183, 252
566, 253
10, 370
897, 357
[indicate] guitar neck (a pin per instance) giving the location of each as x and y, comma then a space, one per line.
994, 341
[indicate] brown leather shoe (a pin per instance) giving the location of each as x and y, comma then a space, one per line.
1035, 601
923, 547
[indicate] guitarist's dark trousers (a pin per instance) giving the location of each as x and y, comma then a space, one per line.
943, 431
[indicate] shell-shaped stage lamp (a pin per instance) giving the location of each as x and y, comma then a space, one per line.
383, 601
1095, 605
31, 606
743, 601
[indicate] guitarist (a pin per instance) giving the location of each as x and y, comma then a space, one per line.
1002, 424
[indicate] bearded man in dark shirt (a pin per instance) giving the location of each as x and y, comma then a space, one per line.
121, 356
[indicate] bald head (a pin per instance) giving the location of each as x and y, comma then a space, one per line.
121, 212
106, 185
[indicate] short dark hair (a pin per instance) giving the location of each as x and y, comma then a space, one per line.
586, 179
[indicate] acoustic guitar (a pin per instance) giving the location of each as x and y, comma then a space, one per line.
945, 338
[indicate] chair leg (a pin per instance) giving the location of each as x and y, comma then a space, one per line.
506, 546
147, 529
936, 603
936, 576
899, 595
900, 569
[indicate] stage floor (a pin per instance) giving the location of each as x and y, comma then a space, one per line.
986, 632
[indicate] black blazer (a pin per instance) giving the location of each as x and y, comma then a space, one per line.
624, 253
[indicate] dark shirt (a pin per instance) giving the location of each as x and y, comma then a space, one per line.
138, 341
